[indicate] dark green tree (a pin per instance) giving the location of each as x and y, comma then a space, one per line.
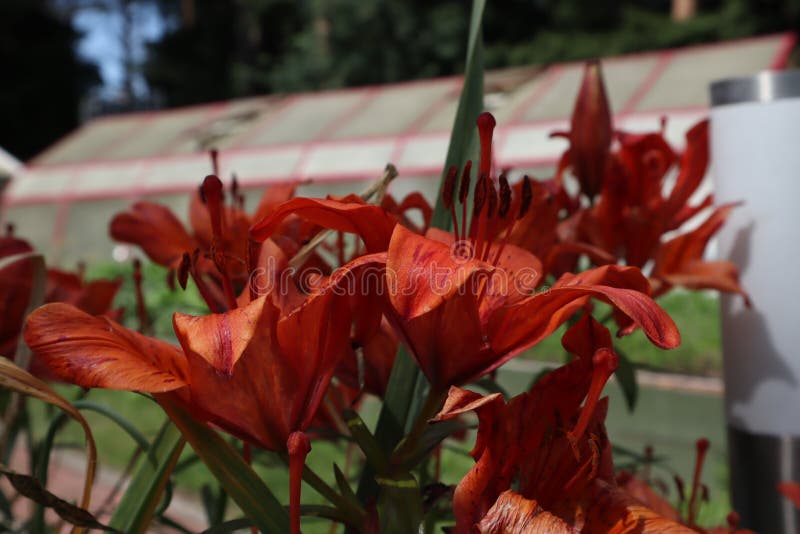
43, 76
242, 47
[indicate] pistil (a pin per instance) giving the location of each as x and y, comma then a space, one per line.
298, 446
213, 195
604, 363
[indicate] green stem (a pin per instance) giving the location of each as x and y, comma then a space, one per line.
433, 402
354, 512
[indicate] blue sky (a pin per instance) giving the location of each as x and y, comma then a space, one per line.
102, 45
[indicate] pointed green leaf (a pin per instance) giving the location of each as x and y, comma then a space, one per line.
400, 404
433, 436
463, 138
239, 480
626, 376
400, 504
135, 511
365, 440
343, 484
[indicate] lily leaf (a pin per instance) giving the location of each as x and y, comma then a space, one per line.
136, 509
396, 413
31, 488
406, 388
626, 376
400, 504
16, 379
365, 440
240, 481
432, 437
464, 138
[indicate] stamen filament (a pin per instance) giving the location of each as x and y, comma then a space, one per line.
702, 449
463, 194
141, 309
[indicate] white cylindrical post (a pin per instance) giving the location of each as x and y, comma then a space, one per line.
755, 146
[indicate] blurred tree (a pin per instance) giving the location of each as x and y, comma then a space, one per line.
43, 77
294, 45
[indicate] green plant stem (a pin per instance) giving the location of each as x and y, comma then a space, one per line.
354, 512
433, 402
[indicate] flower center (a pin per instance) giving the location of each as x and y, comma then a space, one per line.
490, 223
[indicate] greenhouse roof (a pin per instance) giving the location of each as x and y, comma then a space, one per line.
350, 134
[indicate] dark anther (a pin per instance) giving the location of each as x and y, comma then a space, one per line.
526, 197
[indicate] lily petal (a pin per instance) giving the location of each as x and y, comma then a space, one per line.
156, 230
613, 511
514, 514
97, 352
221, 338
369, 222
520, 326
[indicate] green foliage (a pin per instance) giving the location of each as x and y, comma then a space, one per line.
281, 45
43, 76
160, 300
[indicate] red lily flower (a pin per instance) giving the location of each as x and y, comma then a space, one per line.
462, 319
16, 284
631, 207
642, 490
561, 457
215, 252
463, 313
252, 371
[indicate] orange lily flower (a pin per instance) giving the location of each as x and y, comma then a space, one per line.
631, 208
16, 283
463, 318
464, 302
253, 371
215, 252
561, 456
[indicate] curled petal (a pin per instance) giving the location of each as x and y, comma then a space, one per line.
369, 222
423, 273
273, 196
526, 323
514, 514
156, 230
97, 352
694, 163
613, 511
